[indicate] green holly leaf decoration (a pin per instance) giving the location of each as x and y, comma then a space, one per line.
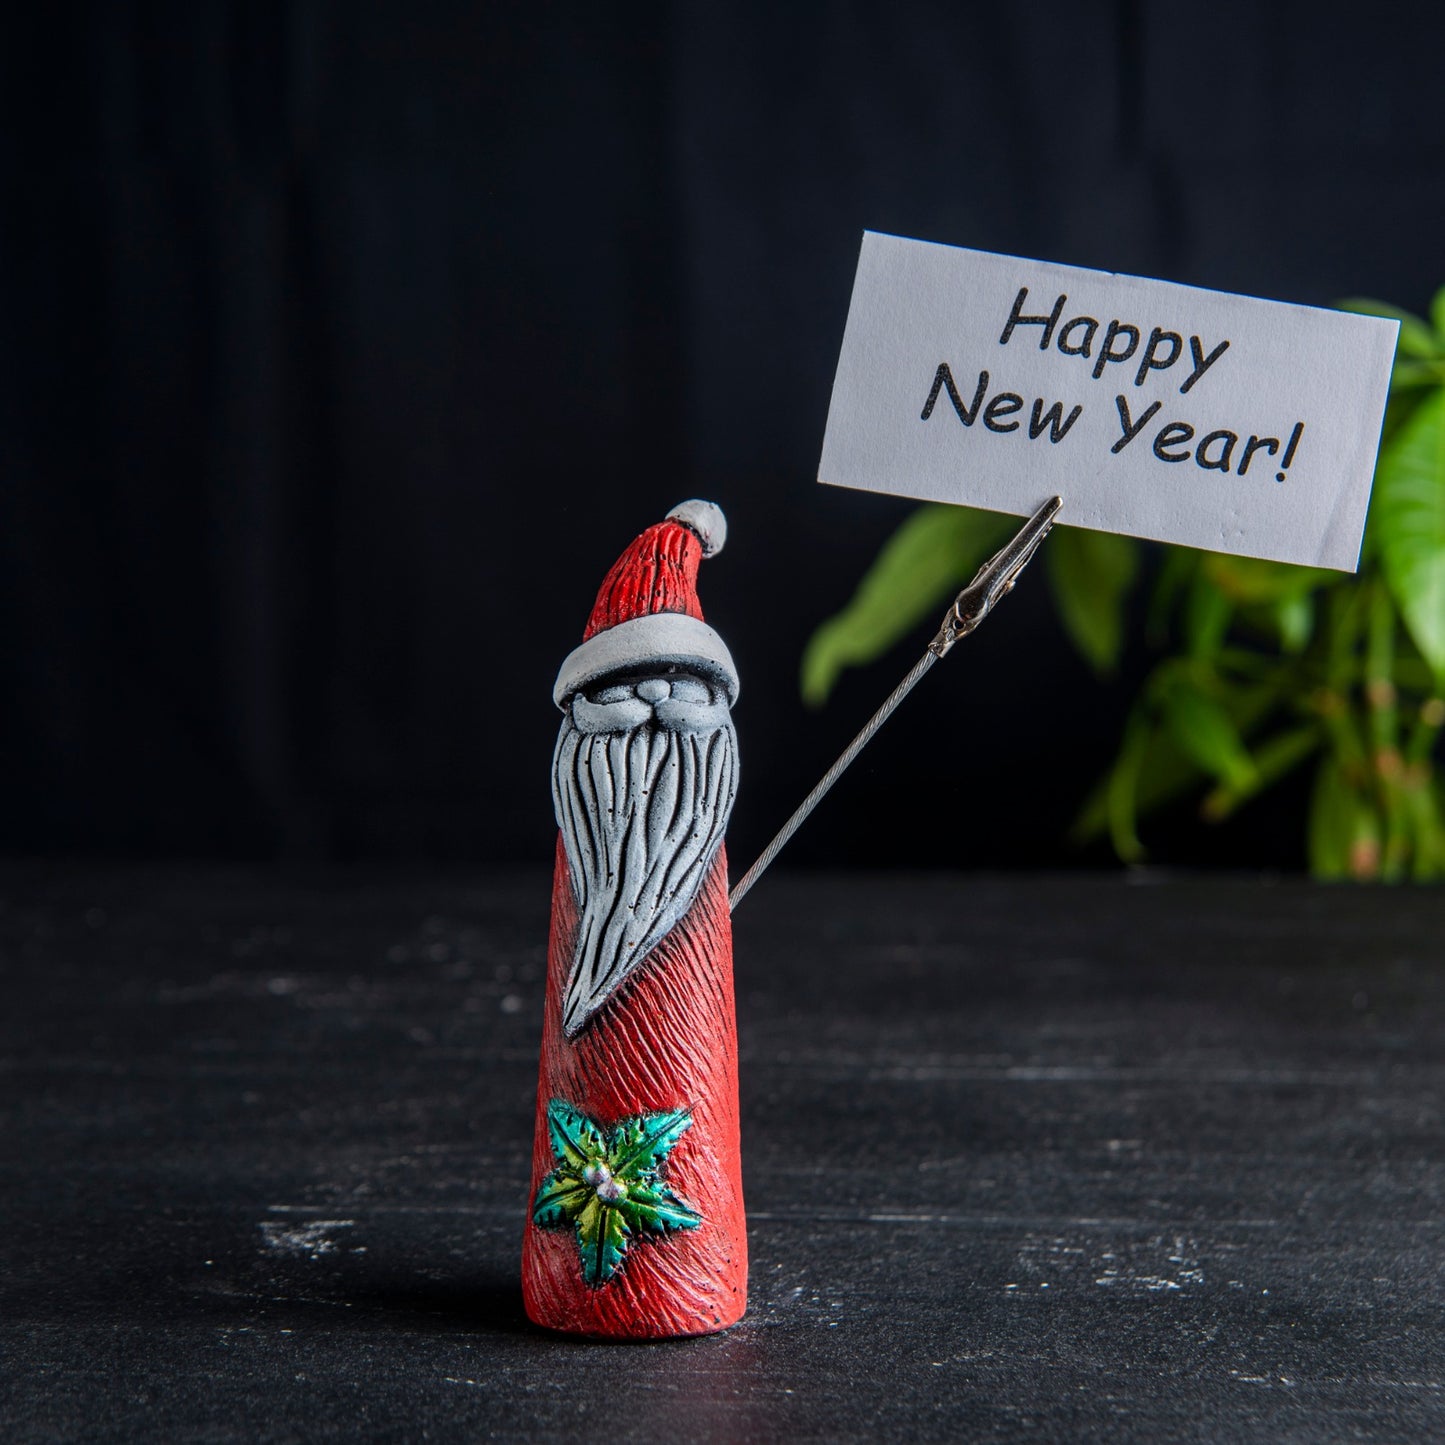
560, 1200
575, 1138
606, 1185
644, 1142
602, 1239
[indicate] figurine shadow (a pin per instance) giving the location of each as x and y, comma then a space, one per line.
423, 1294
490, 1304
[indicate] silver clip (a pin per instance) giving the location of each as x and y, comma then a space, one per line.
995, 579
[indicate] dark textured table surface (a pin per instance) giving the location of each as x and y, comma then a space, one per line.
1062, 1159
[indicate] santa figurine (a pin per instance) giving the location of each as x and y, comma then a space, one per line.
636, 1225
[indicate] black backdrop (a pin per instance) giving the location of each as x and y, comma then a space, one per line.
343, 345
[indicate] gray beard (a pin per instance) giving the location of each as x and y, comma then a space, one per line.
642, 814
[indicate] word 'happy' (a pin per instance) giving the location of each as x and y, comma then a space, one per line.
1121, 341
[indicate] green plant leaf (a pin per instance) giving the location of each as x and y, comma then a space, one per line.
1207, 615
1398, 410
1092, 574
1409, 517
928, 558
1206, 733
1428, 816
1437, 316
1331, 823
1345, 831
1159, 774
1176, 573
1250, 579
1295, 618
1416, 338
1122, 789
1426, 834
1272, 760
1383, 712
1407, 376
1366, 844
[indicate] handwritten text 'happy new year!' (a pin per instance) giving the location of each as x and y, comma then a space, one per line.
1121, 344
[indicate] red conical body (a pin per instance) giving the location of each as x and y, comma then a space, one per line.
666, 1041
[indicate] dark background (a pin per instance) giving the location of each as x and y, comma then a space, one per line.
342, 347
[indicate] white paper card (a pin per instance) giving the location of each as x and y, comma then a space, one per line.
1157, 410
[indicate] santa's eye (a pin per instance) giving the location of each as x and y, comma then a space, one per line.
691, 689
618, 692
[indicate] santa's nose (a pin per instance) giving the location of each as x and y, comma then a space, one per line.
653, 689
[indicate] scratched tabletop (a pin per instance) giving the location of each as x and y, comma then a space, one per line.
1073, 1159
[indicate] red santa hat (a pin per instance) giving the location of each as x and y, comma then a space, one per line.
647, 617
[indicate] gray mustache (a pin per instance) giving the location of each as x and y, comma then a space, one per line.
672, 713
642, 814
